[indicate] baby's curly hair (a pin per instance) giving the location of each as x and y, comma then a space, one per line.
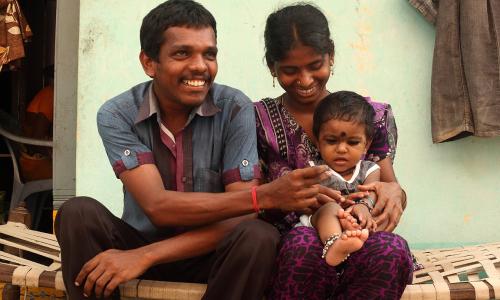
345, 106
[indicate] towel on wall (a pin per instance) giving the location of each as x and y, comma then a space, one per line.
465, 93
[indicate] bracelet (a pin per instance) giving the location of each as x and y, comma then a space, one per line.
370, 199
365, 203
255, 204
403, 200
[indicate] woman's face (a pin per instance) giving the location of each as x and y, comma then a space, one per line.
303, 74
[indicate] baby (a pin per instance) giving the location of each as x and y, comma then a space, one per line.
343, 128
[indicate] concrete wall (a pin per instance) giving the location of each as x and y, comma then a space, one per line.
384, 49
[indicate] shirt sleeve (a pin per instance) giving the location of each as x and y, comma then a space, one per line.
240, 159
374, 167
124, 149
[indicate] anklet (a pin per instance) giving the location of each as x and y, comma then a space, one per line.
329, 242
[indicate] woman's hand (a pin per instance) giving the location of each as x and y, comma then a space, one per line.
365, 219
388, 209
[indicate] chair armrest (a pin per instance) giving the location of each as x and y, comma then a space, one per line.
25, 140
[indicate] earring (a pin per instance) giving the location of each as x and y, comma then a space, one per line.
331, 69
274, 84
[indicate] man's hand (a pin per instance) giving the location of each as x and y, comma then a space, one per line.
388, 209
295, 191
110, 268
327, 195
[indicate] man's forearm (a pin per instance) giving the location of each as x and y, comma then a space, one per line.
190, 244
191, 209
292, 192
171, 208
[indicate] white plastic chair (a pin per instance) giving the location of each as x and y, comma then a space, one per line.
21, 189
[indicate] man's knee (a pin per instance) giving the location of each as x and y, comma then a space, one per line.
77, 211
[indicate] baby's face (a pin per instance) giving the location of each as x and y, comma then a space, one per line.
342, 144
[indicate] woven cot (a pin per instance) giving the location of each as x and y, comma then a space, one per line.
453, 273
457, 273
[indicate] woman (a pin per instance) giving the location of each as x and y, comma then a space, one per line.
300, 55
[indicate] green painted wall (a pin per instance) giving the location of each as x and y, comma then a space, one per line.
384, 49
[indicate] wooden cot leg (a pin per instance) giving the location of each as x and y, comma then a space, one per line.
11, 292
20, 215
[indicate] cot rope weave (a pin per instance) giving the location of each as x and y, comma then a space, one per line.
471, 272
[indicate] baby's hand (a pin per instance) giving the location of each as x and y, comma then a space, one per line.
365, 219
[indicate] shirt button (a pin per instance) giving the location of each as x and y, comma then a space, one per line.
244, 162
126, 152
184, 179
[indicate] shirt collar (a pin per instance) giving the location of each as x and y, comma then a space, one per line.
149, 106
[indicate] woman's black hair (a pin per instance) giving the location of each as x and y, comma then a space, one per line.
345, 106
172, 13
299, 23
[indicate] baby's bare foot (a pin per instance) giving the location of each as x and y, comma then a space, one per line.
347, 221
349, 241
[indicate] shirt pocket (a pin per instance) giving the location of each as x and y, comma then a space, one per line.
208, 180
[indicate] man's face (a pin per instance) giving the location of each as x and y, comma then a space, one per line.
186, 67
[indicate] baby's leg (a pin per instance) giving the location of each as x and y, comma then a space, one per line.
334, 219
328, 221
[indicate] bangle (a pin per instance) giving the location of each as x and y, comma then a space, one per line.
365, 203
403, 199
371, 201
255, 204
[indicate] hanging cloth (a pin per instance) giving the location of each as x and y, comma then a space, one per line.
14, 31
465, 92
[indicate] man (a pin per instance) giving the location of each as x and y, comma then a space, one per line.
185, 151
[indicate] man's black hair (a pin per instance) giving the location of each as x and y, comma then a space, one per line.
172, 13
